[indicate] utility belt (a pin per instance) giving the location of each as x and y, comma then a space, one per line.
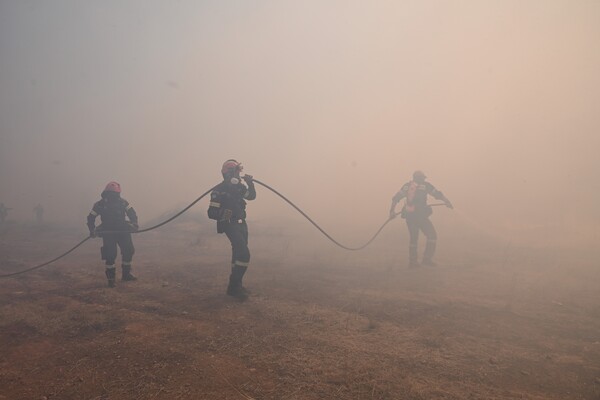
223, 224
125, 227
418, 211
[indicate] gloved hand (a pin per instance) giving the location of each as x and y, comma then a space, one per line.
449, 205
92, 234
247, 178
392, 214
134, 227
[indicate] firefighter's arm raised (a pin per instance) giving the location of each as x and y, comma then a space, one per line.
251, 192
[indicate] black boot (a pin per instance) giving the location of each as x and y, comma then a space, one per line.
235, 288
429, 252
126, 276
412, 256
242, 273
110, 275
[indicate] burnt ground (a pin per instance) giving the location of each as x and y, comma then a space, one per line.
490, 322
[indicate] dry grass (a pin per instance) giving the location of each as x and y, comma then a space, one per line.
342, 328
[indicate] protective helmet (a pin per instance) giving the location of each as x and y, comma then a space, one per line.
419, 175
113, 187
230, 167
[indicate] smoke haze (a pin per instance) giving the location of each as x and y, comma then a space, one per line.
333, 103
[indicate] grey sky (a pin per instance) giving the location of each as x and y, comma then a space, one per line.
335, 103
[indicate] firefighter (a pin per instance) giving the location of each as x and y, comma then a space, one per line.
3, 212
39, 214
228, 208
113, 210
417, 212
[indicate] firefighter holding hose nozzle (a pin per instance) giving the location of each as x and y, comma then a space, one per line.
416, 211
228, 208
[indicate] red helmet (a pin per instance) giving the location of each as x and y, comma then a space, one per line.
230, 167
113, 187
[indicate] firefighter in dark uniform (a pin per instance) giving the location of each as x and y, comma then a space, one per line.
228, 208
3, 212
113, 210
39, 214
417, 212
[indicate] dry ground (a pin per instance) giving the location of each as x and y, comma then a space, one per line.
491, 322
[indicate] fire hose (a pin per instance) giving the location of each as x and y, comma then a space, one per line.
190, 206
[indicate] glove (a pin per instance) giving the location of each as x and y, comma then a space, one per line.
134, 227
449, 205
92, 234
392, 214
247, 178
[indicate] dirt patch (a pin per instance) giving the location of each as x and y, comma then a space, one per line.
319, 325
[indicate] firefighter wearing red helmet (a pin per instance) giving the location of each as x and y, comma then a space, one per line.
417, 212
228, 208
114, 212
